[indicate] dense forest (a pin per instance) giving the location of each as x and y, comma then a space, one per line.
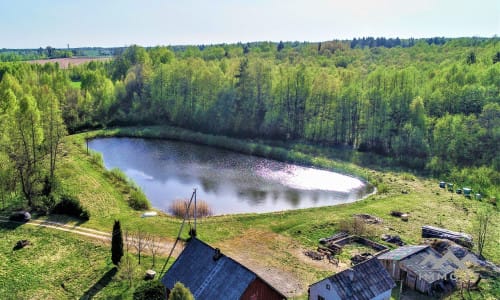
432, 105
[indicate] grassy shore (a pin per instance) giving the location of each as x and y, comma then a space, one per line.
270, 240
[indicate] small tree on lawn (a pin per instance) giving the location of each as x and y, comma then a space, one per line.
482, 224
116, 243
180, 292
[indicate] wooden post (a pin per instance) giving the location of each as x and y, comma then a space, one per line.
400, 288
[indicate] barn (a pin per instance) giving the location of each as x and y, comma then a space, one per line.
420, 268
365, 281
209, 274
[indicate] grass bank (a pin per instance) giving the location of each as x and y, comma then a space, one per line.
59, 265
269, 241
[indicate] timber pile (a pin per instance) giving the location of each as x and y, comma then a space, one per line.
359, 258
393, 239
334, 237
369, 218
441, 233
314, 255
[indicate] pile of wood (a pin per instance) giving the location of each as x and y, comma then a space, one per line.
441, 233
359, 258
402, 215
393, 239
335, 237
369, 218
314, 255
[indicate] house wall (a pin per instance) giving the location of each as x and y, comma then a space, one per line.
423, 286
384, 296
320, 289
258, 289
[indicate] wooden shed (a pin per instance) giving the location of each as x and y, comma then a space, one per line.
420, 268
209, 274
365, 281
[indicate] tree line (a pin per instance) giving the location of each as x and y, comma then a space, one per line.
433, 107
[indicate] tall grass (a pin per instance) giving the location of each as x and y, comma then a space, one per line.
178, 208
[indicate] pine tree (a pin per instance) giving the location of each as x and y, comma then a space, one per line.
116, 243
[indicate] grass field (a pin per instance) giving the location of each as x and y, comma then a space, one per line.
64, 63
56, 265
270, 243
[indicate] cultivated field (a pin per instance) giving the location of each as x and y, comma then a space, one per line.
64, 63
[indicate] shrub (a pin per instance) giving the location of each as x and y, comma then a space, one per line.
118, 175
138, 200
180, 292
382, 188
355, 226
96, 158
179, 206
46, 203
151, 290
69, 205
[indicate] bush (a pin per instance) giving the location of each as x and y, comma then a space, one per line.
179, 206
180, 292
69, 205
118, 175
355, 226
138, 200
46, 204
96, 158
151, 290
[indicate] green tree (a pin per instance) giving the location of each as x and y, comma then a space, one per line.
54, 130
116, 243
180, 292
471, 58
26, 145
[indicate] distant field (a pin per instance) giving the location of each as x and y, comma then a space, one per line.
65, 62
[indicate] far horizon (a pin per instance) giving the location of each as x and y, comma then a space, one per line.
31, 25
239, 42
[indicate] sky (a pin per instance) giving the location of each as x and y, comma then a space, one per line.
109, 23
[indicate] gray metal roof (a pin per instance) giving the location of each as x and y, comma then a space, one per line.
361, 282
206, 277
429, 265
402, 252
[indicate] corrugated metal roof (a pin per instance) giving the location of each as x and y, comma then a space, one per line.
206, 277
402, 252
361, 282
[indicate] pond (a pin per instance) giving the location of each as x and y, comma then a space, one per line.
230, 182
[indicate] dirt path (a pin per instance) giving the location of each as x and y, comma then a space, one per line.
164, 248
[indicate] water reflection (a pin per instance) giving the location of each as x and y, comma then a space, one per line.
228, 181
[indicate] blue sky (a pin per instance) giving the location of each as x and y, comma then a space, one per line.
40, 23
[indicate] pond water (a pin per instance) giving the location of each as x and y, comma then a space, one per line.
230, 182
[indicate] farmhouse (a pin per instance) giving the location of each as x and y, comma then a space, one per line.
364, 281
420, 268
209, 274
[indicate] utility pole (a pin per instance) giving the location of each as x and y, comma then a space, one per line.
194, 211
